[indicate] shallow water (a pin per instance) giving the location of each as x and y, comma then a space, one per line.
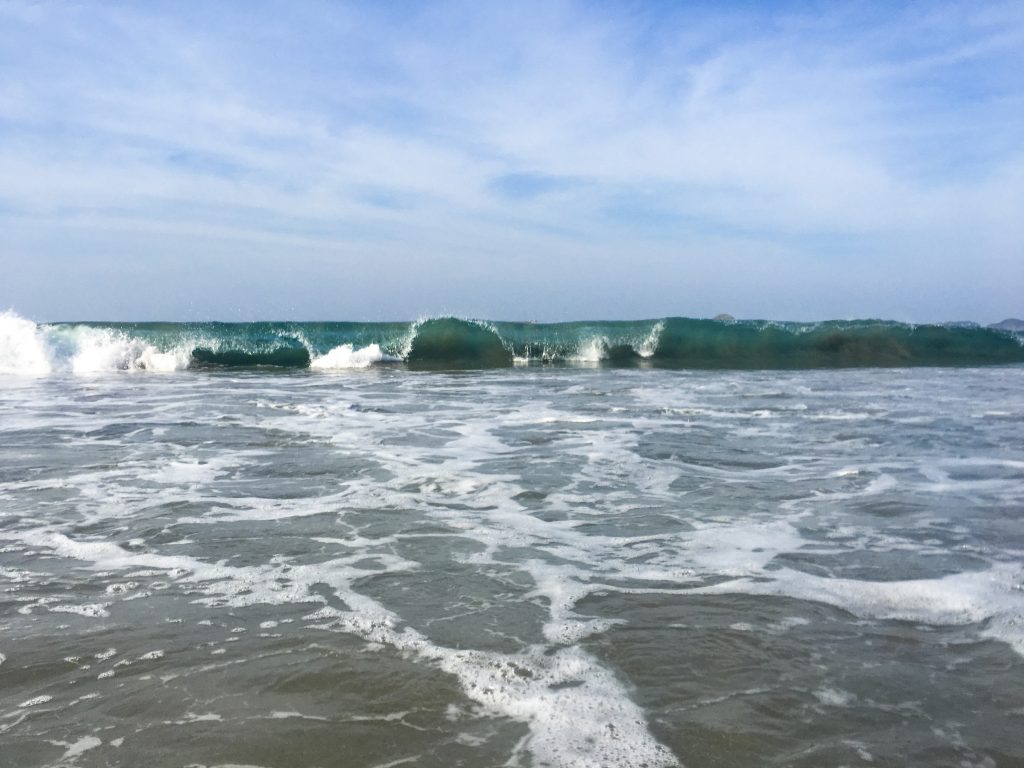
536, 566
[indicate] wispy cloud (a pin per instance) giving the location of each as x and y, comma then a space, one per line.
484, 159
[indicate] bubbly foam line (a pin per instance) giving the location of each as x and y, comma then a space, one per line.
742, 550
578, 713
347, 356
994, 596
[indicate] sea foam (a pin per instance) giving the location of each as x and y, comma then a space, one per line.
100, 350
993, 598
348, 356
23, 349
28, 349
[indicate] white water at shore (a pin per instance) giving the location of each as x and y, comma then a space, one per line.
555, 555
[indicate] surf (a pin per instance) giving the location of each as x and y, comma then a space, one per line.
452, 343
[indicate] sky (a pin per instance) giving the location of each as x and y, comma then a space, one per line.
546, 161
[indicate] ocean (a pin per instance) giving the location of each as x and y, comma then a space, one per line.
459, 543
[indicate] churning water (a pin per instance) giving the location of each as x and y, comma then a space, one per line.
533, 566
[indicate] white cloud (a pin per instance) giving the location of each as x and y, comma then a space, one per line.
765, 140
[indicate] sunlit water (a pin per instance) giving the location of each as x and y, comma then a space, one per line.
532, 566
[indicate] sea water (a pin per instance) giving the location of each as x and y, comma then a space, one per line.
568, 564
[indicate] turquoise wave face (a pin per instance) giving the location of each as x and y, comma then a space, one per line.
753, 345
451, 343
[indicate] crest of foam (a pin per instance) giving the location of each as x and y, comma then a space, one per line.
348, 356
405, 344
649, 345
23, 349
590, 351
28, 349
97, 350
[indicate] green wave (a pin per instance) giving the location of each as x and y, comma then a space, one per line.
452, 343
282, 357
712, 344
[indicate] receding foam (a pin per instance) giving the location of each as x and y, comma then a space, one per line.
993, 596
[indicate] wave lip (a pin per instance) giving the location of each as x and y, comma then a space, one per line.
97, 350
449, 343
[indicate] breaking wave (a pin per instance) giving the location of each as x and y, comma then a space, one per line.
28, 348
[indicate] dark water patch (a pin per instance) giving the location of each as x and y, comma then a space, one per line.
641, 521
688, 343
393, 519
902, 506
702, 448
748, 682
119, 430
268, 698
280, 357
464, 606
449, 343
881, 566
622, 354
251, 542
296, 471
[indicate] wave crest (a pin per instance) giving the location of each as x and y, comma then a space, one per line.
444, 343
23, 349
347, 356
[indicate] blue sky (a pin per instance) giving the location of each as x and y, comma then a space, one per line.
547, 161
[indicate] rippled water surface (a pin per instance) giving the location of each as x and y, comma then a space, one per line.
527, 566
